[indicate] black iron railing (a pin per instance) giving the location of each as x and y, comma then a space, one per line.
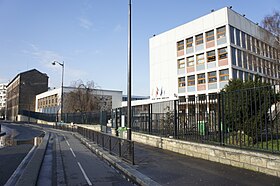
248, 119
114, 145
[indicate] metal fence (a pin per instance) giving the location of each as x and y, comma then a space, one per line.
247, 118
79, 117
114, 145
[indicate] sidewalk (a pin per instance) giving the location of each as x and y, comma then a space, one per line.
156, 166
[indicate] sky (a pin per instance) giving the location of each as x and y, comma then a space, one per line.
90, 36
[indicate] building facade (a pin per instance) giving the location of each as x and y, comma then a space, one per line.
22, 90
3, 93
200, 57
50, 101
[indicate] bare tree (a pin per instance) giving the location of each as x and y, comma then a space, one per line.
272, 24
85, 98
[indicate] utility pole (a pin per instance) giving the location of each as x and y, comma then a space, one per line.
129, 74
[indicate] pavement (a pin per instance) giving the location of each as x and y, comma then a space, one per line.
154, 166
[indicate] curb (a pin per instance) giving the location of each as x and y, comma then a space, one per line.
28, 177
128, 170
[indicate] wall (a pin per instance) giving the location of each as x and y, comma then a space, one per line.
260, 162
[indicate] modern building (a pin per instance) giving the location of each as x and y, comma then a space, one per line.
201, 56
3, 92
22, 90
50, 101
135, 98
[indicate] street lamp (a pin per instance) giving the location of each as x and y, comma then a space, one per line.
62, 65
129, 119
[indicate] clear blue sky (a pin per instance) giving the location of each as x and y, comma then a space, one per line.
91, 36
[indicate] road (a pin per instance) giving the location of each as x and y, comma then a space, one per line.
66, 161
11, 157
82, 167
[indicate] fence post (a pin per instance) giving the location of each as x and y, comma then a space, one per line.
150, 118
132, 152
110, 144
219, 118
175, 120
120, 147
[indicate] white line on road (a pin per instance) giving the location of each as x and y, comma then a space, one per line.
73, 152
67, 143
84, 173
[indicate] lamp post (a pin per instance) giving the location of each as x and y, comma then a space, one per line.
62, 76
129, 114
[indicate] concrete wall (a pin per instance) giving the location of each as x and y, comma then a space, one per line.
260, 162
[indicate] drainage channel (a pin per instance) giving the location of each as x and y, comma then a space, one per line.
45, 176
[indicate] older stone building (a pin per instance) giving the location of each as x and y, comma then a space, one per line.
22, 90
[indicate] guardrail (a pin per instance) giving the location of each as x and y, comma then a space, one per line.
114, 145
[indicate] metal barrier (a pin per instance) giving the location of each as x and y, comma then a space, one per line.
114, 145
246, 118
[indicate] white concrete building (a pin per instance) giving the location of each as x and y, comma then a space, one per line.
199, 57
3, 92
50, 101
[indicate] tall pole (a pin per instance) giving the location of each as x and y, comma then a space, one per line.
129, 74
61, 112
62, 76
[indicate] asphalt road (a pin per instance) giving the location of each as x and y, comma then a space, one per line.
11, 157
82, 167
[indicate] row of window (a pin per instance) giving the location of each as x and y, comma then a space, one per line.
201, 78
209, 36
200, 58
246, 60
238, 74
47, 101
252, 44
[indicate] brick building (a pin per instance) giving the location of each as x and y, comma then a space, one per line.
22, 91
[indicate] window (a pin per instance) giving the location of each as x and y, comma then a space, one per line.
250, 61
248, 42
258, 47
234, 74
199, 39
181, 63
190, 61
231, 31
221, 32
211, 56
244, 59
180, 45
189, 42
181, 82
222, 52
239, 58
237, 35
243, 40
224, 75
233, 56
212, 78
200, 59
210, 36
191, 80
253, 44
200, 78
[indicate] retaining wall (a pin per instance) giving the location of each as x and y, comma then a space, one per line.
256, 161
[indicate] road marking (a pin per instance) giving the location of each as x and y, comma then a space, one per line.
84, 173
73, 152
67, 143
